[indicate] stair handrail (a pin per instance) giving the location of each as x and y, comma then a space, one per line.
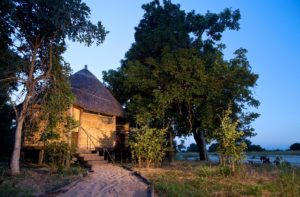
109, 155
88, 135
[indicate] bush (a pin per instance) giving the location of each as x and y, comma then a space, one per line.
229, 148
58, 153
225, 171
148, 146
73, 170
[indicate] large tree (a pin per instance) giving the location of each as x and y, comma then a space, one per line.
175, 73
38, 29
8, 62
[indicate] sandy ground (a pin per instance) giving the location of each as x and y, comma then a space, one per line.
107, 180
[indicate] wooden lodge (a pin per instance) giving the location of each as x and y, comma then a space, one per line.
100, 116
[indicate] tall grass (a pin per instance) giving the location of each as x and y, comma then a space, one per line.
208, 180
289, 181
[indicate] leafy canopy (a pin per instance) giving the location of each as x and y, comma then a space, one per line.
175, 76
35, 31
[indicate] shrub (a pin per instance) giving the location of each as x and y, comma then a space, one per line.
148, 146
206, 171
225, 171
58, 153
229, 148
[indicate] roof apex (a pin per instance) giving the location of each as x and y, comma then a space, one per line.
92, 95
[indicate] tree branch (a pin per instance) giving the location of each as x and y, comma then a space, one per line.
9, 79
47, 73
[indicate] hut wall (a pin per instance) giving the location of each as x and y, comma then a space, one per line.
76, 116
100, 129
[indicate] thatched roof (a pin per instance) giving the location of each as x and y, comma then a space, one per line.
92, 95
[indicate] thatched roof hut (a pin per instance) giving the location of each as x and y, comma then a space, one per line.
100, 117
92, 95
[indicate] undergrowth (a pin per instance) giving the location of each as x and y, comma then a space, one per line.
36, 181
195, 179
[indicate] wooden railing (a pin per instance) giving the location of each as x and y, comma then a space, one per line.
109, 155
89, 137
105, 150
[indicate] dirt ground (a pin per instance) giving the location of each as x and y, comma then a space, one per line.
107, 180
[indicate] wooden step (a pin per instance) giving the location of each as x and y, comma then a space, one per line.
97, 162
86, 151
91, 157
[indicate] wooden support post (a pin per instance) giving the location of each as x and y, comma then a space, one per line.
41, 156
80, 132
69, 139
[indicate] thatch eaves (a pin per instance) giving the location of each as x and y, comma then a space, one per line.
92, 95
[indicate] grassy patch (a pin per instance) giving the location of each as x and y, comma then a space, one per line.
34, 180
197, 179
267, 153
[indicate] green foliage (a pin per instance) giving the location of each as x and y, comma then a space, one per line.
206, 180
58, 98
49, 135
6, 132
289, 181
295, 146
15, 192
250, 147
148, 146
8, 57
225, 171
73, 170
8, 68
36, 30
57, 153
32, 31
230, 150
206, 171
35, 180
55, 20
175, 72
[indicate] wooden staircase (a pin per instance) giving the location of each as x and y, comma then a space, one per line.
89, 158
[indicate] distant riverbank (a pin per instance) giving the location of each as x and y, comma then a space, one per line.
292, 157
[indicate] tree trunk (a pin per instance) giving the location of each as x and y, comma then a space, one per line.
200, 141
171, 155
15, 158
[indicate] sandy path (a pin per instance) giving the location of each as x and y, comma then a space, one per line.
107, 180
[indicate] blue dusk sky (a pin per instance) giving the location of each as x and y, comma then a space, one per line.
269, 30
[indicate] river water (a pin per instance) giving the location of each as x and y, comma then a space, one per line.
292, 159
